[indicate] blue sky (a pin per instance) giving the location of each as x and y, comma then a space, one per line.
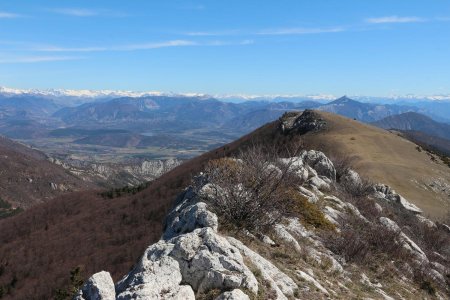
357, 47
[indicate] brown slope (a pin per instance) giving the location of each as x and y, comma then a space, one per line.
40, 246
388, 158
26, 176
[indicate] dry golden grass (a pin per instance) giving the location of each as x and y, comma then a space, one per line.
387, 158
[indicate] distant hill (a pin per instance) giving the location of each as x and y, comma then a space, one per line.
254, 119
366, 112
28, 178
125, 140
155, 110
17, 128
412, 121
24, 106
428, 141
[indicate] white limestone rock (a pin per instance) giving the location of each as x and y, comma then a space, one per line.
310, 164
332, 215
99, 286
404, 239
233, 295
189, 215
319, 183
385, 192
210, 262
426, 221
319, 162
285, 236
312, 280
308, 194
155, 275
282, 284
351, 178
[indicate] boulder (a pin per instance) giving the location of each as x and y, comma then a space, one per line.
351, 178
189, 215
285, 236
311, 164
99, 286
233, 295
385, 192
319, 162
308, 121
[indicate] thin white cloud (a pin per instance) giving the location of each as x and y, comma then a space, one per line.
394, 19
147, 46
213, 33
35, 59
144, 46
8, 15
76, 49
276, 31
75, 12
300, 31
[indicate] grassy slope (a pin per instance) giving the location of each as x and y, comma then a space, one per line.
387, 158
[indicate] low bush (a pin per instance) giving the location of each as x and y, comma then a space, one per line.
365, 243
252, 191
309, 213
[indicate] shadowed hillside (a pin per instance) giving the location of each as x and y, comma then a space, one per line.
28, 178
412, 121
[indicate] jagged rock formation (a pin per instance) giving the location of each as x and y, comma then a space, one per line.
302, 123
194, 258
117, 174
386, 192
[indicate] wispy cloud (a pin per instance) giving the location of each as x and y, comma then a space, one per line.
128, 47
144, 46
8, 15
300, 31
75, 12
394, 19
213, 33
36, 59
273, 31
147, 46
69, 49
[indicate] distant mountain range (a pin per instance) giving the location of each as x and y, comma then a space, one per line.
366, 112
96, 94
171, 120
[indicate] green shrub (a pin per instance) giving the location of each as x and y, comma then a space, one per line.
309, 213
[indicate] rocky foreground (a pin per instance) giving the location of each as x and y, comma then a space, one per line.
195, 259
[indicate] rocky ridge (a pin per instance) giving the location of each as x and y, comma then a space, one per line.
117, 174
195, 259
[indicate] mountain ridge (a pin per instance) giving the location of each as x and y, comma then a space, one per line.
137, 219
